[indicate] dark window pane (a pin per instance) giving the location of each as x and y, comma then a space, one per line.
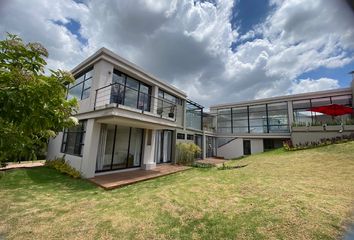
132, 83
118, 77
88, 83
73, 139
86, 93
89, 74
180, 136
75, 92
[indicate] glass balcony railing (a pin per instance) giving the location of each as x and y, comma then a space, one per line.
117, 93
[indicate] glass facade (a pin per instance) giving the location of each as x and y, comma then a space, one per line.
130, 92
166, 104
81, 88
302, 115
262, 118
194, 114
120, 147
278, 120
224, 121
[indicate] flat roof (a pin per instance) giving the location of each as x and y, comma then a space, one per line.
98, 55
339, 91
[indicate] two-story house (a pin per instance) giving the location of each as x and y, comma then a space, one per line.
127, 118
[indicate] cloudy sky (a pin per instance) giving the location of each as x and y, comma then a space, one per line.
216, 51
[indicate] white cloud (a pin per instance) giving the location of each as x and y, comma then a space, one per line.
188, 43
313, 85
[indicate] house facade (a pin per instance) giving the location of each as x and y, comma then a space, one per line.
255, 126
129, 119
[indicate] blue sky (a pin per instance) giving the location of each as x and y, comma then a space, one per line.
234, 50
248, 13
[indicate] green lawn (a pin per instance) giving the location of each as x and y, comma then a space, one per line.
305, 194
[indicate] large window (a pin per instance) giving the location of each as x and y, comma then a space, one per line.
262, 118
258, 119
130, 92
73, 139
240, 120
278, 117
82, 86
120, 147
224, 121
301, 113
167, 104
303, 116
194, 114
169, 97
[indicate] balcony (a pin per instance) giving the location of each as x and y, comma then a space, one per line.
124, 97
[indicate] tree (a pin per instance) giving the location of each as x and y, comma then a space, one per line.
33, 105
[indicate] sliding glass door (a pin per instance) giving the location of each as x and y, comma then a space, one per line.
163, 149
120, 147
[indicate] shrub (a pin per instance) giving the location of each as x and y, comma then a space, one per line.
63, 167
187, 152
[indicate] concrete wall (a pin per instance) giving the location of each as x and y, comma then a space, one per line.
54, 147
234, 149
301, 135
87, 163
257, 146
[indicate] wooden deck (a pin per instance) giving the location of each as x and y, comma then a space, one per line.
120, 179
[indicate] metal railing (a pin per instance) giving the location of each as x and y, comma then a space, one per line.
117, 93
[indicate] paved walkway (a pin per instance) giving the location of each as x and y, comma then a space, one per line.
120, 179
213, 161
27, 164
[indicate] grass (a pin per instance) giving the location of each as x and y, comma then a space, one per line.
306, 194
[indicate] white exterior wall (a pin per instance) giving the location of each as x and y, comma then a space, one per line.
257, 146
89, 157
85, 164
232, 149
148, 161
54, 147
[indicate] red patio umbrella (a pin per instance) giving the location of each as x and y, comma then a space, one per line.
332, 110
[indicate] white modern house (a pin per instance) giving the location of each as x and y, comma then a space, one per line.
129, 119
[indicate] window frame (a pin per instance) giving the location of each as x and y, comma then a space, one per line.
125, 76
179, 136
82, 132
83, 82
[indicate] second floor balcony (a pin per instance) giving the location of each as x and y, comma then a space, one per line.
119, 95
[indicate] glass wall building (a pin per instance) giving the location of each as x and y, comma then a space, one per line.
261, 118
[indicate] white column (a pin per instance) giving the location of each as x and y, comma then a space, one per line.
88, 164
290, 114
204, 146
184, 115
149, 150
